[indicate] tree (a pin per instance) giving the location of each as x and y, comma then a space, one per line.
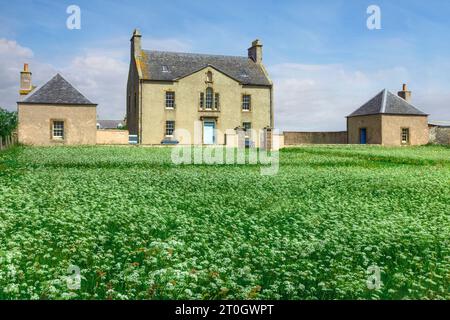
8, 122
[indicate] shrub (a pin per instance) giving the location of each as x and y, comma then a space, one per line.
8, 122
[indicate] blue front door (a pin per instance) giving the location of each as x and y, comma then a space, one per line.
363, 136
208, 132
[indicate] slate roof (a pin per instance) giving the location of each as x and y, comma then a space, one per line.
57, 91
386, 102
180, 65
110, 124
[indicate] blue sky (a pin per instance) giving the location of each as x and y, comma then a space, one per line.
323, 59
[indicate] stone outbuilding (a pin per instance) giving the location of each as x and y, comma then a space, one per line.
390, 120
55, 114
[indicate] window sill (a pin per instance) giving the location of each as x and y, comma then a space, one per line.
209, 110
170, 108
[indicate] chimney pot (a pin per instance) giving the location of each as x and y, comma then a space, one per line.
25, 67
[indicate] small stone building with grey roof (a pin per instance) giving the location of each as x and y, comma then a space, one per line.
55, 113
390, 120
196, 99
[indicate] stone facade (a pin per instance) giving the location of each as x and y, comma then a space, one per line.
146, 101
387, 129
439, 134
35, 124
372, 123
112, 137
299, 138
392, 126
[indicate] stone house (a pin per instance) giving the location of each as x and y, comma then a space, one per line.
390, 120
205, 96
54, 114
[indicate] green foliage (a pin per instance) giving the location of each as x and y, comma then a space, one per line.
140, 227
8, 122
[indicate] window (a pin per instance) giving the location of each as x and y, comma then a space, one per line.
405, 135
202, 100
209, 98
165, 69
217, 101
209, 76
170, 100
58, 130
247, 128
246, 102
170, 128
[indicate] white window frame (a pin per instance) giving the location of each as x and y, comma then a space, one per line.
58, 127
405, 132
209, 99
247, 130
170, 128
246, 102
170, 99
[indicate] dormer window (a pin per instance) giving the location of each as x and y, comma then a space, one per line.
165, 69
209, 76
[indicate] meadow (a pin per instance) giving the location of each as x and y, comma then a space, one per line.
139, 227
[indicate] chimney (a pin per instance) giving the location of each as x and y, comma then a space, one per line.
255, 51
25, 81
136, 43
405, 94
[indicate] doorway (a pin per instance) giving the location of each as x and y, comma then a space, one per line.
363, 136
209, 132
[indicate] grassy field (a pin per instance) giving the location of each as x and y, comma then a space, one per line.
139, 227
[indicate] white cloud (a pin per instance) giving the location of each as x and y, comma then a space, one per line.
103, 80
318, 97
12, 58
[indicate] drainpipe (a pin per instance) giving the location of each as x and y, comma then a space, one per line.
272, 122
140, 110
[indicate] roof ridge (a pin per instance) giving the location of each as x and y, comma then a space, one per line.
197, 54
384, 101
